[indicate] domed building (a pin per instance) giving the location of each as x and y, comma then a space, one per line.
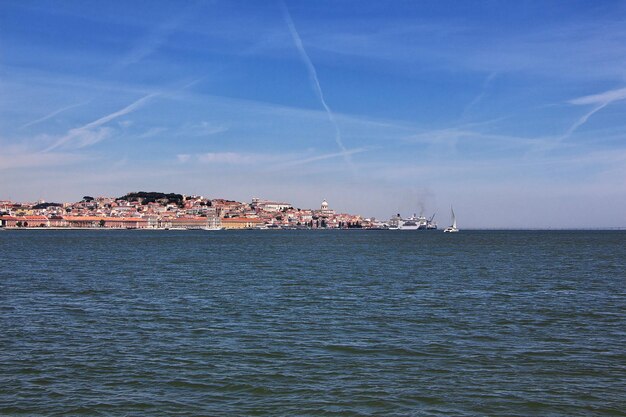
325, 210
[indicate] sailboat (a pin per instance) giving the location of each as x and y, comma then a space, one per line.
453, 228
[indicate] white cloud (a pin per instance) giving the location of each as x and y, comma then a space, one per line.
54, 113
600, 101
21, 157
274, 161
153, 131
601, 98
316, 158
233, 158
91, 137
86, 135
203, 128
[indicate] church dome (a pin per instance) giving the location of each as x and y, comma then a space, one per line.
324, 205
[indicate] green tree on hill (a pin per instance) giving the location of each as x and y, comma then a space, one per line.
145, 197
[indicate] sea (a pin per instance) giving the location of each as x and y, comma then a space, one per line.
312, 323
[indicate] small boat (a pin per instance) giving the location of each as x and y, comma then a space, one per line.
453, 228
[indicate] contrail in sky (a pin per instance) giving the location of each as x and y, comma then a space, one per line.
323, 157
583, 119
54, 113
157, 38
600, 100
86, 130
480, 96
316, 85
76, 133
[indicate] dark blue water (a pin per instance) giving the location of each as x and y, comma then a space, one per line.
346, 323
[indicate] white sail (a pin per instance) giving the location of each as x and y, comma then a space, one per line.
453, 219
453, 228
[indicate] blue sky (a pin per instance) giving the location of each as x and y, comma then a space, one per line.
513, 112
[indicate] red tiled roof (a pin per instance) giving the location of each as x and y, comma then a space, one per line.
241, 220
106, 219
41, 218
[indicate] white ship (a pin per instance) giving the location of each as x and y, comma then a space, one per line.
411, 223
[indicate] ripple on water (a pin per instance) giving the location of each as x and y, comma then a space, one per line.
318, 323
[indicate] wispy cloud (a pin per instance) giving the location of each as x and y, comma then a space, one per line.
582, 120
150, 43
54, 113
153, 131
226, 158
316, 158
203, 128
91, 133
504, 170
605, 97
480, 96
274, 162
588, 47
599, 101
20, 156
316, 84
451, 136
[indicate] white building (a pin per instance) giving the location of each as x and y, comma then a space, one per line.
271, 206
325, 210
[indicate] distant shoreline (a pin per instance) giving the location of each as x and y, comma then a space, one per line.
599, 229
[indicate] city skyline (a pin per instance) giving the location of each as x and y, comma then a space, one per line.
513, 113
165, 211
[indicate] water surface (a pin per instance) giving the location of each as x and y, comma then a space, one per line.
190, 323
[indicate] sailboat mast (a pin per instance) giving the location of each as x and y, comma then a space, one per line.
453, 218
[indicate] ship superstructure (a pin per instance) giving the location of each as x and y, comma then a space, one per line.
414, 222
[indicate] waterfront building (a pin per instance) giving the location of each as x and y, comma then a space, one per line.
241, 223
57, 221
34, 221
152, 221
189, 222
8, 221
107, 222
